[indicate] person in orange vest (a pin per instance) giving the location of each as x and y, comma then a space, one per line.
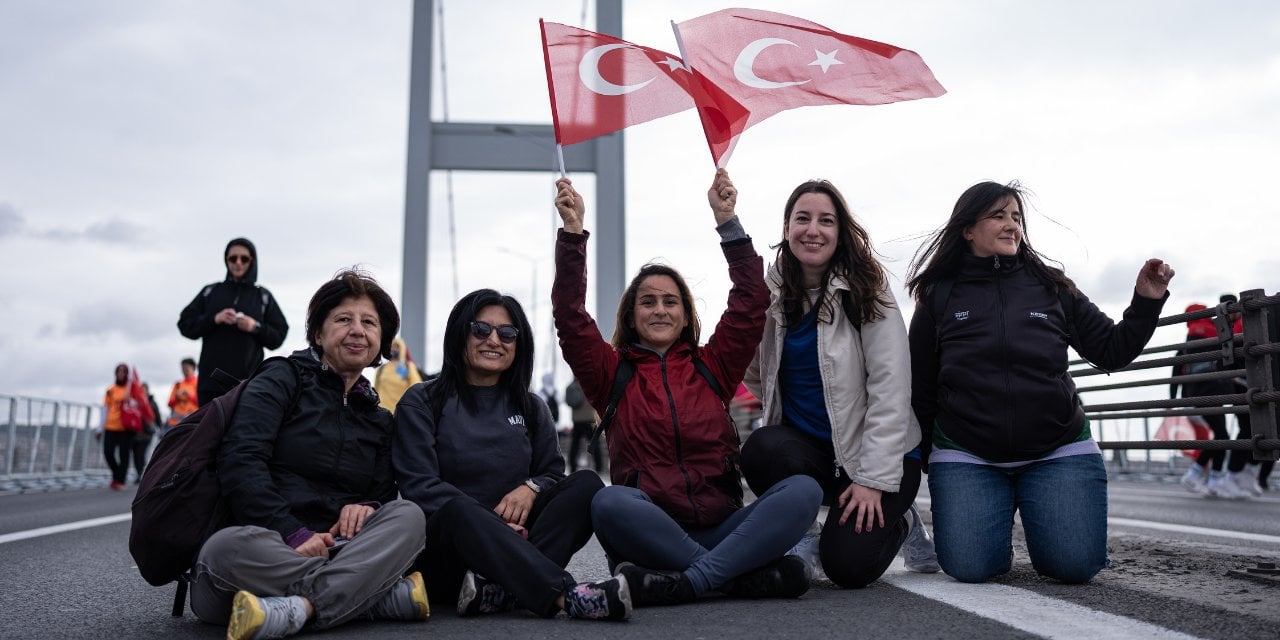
183, 399
117, 441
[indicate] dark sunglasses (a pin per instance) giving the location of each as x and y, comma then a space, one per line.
239, 258
506, 333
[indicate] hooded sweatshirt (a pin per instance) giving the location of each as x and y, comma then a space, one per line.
225, 346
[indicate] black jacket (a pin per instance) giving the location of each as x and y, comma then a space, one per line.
286, 464
226, 347
992, 371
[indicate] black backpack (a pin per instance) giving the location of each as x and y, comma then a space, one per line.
179, 502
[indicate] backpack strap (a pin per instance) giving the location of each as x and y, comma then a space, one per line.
850, 312
621, 376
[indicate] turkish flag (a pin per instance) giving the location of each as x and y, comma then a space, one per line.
600, 84
770, 62
139, 395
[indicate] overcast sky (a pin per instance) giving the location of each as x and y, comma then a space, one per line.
137, 137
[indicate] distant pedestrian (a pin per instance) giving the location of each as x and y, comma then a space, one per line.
236, 319
395, 376
183, 399
142, 439
584, 421
117, 441
549, 396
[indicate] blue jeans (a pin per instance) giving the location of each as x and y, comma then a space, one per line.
1063, 503
632, 528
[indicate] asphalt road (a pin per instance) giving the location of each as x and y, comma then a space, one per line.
1169, 579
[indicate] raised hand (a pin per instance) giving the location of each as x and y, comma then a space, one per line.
570, 206
722, 196
1153, 279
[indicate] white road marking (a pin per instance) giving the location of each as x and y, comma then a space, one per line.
1026, 610
923, 503
59, 528
1195, 531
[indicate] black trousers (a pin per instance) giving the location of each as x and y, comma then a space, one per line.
850, 559
116, 446
466, 535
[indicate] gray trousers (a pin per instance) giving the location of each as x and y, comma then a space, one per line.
257, 560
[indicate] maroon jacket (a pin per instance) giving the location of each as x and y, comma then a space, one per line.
671, 436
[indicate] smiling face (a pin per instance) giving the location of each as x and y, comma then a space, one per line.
811, 232
998, 232
489, 357
350, 336
659, 317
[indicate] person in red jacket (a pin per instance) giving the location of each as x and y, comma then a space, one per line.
673, 522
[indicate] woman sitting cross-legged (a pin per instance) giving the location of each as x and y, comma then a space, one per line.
479, 454
318, 536
674, 516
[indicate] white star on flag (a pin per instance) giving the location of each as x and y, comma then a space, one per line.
674, 64
825, 60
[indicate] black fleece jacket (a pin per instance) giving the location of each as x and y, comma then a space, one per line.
991, 373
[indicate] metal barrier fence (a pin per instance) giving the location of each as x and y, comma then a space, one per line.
47, 436
1250, 355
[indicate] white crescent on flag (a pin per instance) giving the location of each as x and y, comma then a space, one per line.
746, 75
589, 73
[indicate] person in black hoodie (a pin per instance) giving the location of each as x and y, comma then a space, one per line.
990, 387
236, 319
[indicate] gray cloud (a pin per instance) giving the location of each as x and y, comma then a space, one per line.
113, 231
117, 316
10, 220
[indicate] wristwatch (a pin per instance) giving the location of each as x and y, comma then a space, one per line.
533, 485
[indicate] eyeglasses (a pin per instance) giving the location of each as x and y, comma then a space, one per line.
506, 333
232, 259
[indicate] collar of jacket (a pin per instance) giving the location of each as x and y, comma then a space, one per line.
973, 266
362, 391
773, 279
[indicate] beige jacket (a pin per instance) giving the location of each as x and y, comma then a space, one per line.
866, 380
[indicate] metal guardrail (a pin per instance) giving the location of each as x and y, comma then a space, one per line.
1257, 349
47, 436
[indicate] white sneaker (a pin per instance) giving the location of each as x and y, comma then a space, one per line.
917, 551
1247, 482
1194, 479
807, 550
1223, 485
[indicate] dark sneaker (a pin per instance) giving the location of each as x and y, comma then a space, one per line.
782, 578
254, 618
478, 596
654, 588
407, 600
606, 600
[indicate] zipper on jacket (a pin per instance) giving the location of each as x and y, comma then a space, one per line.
1004, 356
675, 429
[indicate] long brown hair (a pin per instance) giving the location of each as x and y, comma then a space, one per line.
853, 259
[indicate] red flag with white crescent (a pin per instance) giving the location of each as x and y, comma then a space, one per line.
137, 393
770, 62
599, 84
